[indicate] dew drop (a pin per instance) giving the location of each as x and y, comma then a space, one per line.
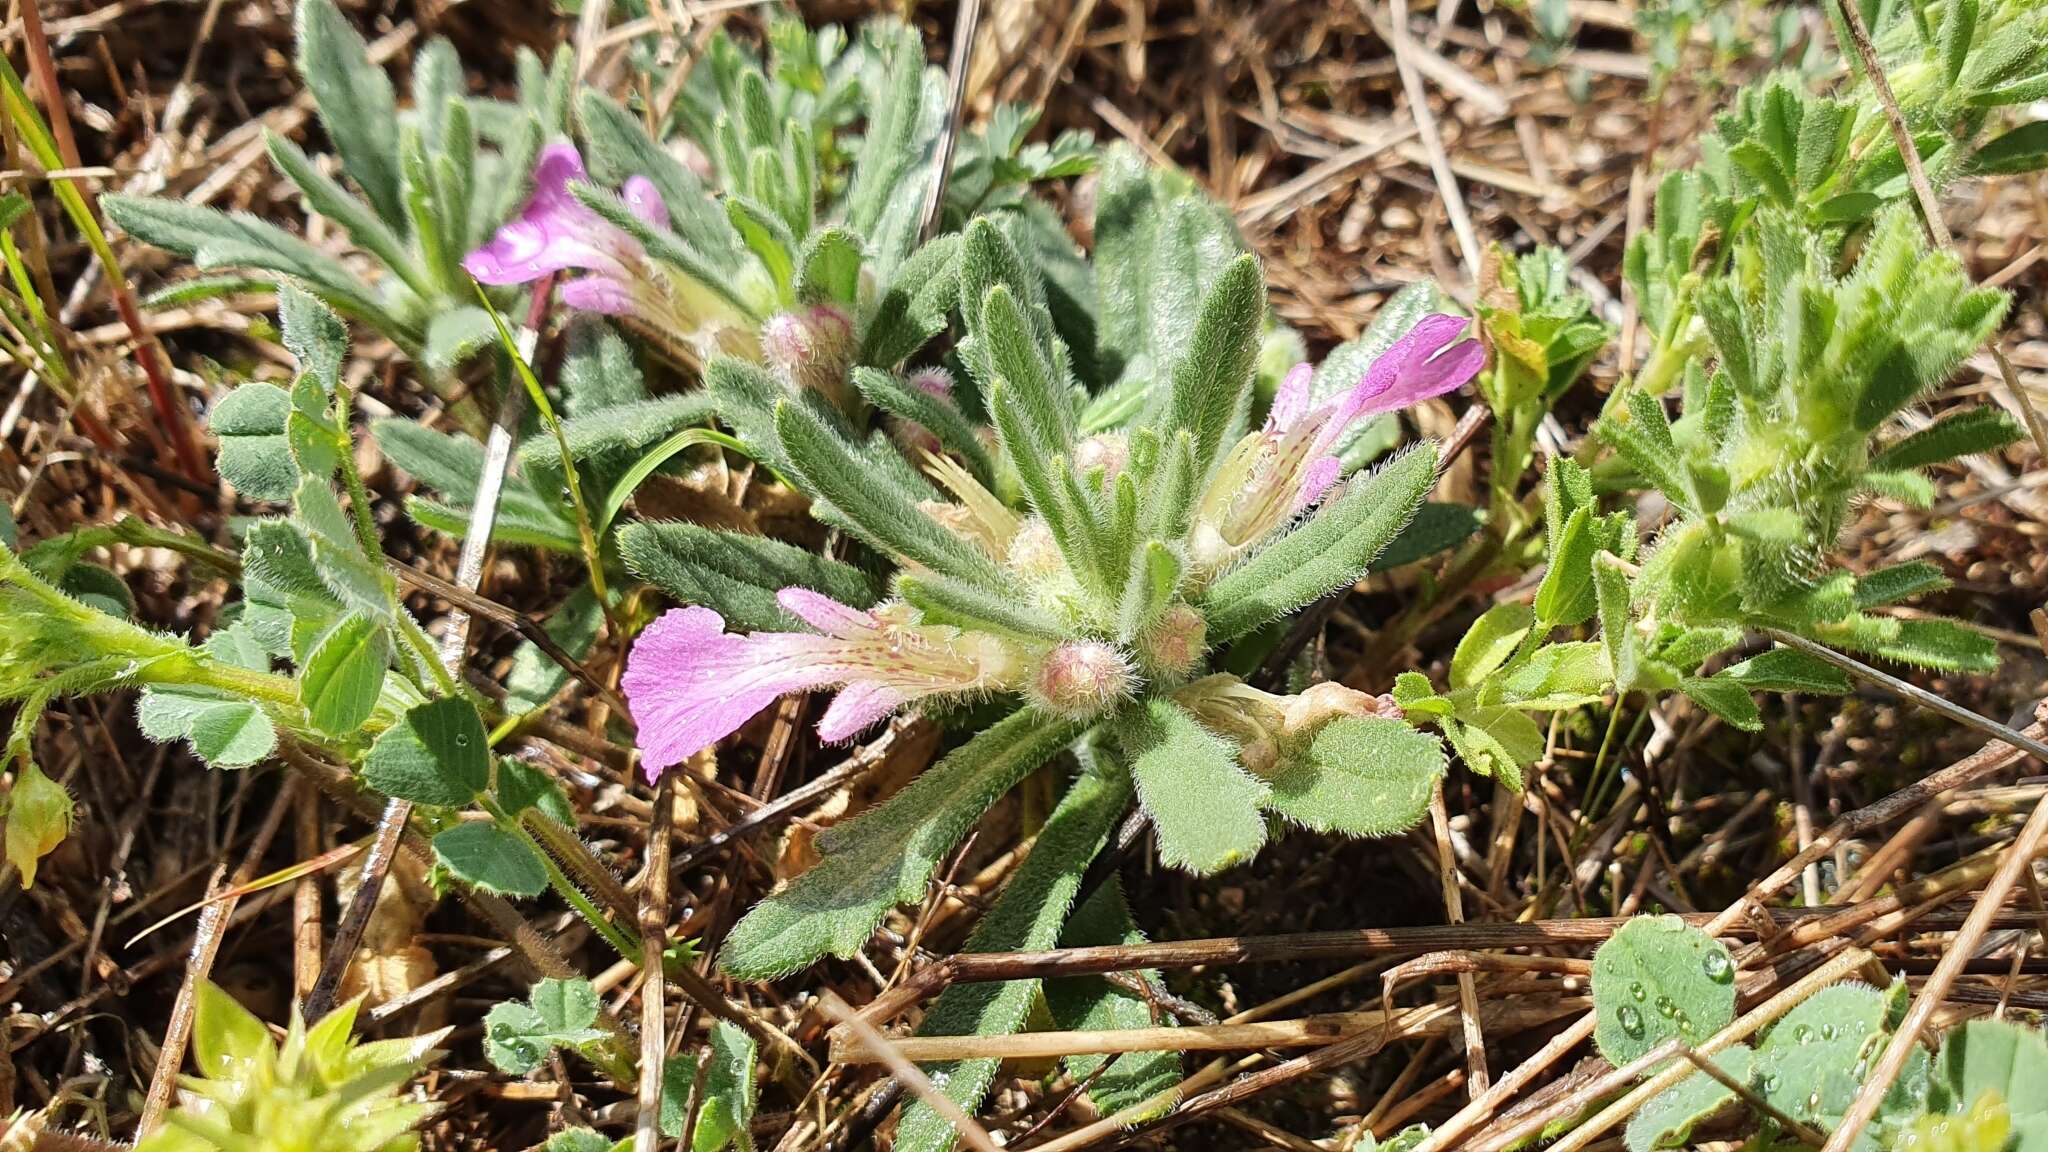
1631, 1020
1803, 1034
1665, 1007
1812, 1102
1636, 990
1717, 966
1827, 1031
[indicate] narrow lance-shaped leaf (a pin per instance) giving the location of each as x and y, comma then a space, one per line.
1212, 383
955, 433
1026, 916
736, 574
1332, 550
1092, 1003
885, 857
356, 103
829, 467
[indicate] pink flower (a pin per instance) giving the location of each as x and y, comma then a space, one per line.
691, 683
557, 232
1285, 468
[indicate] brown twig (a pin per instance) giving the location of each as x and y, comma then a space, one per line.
653, 946
908, 1073
1476, 1077
213, 924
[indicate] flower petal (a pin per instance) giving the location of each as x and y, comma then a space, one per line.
1291, 399
558, 167
825, 614
1316, 480
553, 232
601, 294
858, 706
1427, 379
690, 683
644, 200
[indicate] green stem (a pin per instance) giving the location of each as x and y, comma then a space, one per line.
352, 477
570, 849
422, 646
622, 943
1596, 784
586, 535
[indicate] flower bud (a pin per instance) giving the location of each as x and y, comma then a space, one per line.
811, 349
1175, 643
1107, 454
934, 382
1082, 679
1034, 553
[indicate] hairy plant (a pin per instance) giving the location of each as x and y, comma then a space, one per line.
320, 1090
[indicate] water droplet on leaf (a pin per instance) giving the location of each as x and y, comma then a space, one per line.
1631, 1020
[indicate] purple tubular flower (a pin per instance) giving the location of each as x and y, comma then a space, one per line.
556, 232
690, 683
1288, 466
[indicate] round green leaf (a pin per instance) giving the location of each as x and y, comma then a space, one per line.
1657, 978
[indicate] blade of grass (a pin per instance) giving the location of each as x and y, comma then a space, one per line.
46, 150
586, 532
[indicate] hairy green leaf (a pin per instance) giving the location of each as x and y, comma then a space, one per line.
1359, 775
438, 753
1333, 549
736, 575
344, 673
1668, 1119
834, 469
1026, 916
355, 101
1203, 804
884, 857
1212, 383
1091, 1003
481, 853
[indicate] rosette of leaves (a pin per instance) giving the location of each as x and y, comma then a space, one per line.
1790, 428
1110, 577
319, 1090
418, 189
